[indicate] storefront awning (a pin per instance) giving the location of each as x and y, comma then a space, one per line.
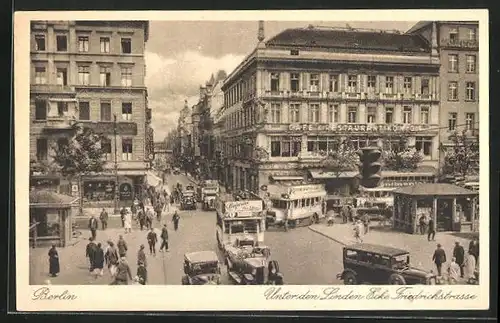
319, 174
153, 180
287, 178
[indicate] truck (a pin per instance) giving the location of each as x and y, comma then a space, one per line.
188, 200
300, 204
207, 192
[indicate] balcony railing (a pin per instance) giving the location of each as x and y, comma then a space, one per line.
460, 43
107, 127
52, 88
59, 122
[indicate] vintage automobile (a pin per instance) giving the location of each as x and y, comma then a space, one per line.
201, 268
246, 264
375, 264
188, 202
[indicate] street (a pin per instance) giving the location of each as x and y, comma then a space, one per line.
304, 256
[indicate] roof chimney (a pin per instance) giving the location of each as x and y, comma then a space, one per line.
260, 34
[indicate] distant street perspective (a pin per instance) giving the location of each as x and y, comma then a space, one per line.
328, 155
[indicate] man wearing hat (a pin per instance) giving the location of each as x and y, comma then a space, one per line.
142, 274
141, 256
123, 273
439, 258
459, 255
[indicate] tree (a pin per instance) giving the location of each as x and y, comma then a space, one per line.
401, 156
462, 158
343, 158
82, 155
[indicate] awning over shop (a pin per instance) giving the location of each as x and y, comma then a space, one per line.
319, 174
153, 180
286, 178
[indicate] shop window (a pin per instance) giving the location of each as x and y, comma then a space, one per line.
48, 222
99, 190
424, 145
285, 146
127, 149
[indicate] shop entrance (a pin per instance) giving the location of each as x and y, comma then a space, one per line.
444, 215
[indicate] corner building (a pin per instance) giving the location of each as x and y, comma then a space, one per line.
304, 89
87, 72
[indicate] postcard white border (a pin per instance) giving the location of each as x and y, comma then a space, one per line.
191, 298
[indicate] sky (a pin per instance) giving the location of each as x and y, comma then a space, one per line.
182, 55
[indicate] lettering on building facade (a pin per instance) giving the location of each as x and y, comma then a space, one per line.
375, 128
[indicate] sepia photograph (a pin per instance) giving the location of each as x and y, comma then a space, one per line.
254, 151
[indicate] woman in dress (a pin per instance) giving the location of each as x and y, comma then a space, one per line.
53, 261
470, 267
128, 222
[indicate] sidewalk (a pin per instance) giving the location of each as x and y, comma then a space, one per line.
420, 249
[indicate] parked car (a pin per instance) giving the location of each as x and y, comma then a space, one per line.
201, 268
375, 264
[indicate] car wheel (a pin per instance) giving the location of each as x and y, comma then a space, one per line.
397, 279
350, 279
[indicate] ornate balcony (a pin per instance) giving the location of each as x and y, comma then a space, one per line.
52, 88
60, 123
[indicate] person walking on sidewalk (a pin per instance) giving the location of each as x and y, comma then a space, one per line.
111, 258
175, 220
454, 270
358, 229
99, 260
421, 224
54, 267
142, 274
123, 273
152, 240
141, 256
366, 223
122, 247
164, 238
93, 225
344, 212
432, 230
474, 248
149, 217
90, 252
123, 211
158, 209
128, 222
459, 255
104, 219
141, 218
470, 267
439, 258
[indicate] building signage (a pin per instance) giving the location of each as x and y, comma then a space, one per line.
375, 128
243, 206
125, 191
306, 189
403, 184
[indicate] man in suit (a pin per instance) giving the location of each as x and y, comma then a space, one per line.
152, 240
439, 258
93, 224
164, 238
459, 255
104, 219
432, 230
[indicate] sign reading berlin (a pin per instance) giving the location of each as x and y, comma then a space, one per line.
372, 127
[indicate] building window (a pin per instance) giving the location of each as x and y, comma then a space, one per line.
126, 76
61, 43
424, 115
333, 113
352, 115
352, 83
407, 112
453, 63
105, 111
127, 111
424, 88
106, 148
389, 115
104, 44
453, 34
471, 63
407, 81
334, 83
126, 46
469, 121
314, 113
40, 43
294, 82
62, 76
62, 109
105, 76
389, 84
294, 112
83, 75
372, 81
84, 111
314, 83
41, 149
83, 43
424, 145
40, 109
40, 77
470, 91
127, 149
371, 115
452, 91
275, 82
285, 146
452, 121
472, 34
275, 113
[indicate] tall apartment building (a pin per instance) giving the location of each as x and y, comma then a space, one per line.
303, 90
458, 48
87, 72
185, 130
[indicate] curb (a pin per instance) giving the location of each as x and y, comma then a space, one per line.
327, 236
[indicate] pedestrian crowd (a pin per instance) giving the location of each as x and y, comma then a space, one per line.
463, 265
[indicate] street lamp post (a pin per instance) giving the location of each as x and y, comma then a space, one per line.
117, 210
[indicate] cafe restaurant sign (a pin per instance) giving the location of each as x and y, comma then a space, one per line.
353, 128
